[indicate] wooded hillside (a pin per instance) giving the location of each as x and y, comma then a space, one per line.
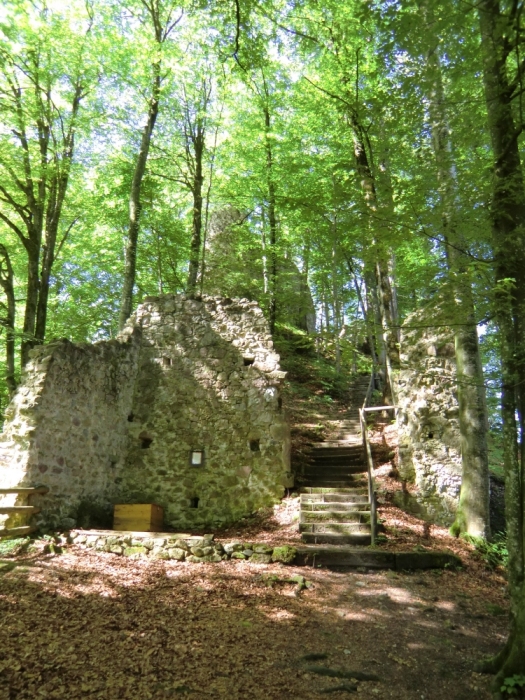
343, 163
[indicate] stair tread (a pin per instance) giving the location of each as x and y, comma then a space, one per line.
334, 539
335, 528
5, 510
337, 490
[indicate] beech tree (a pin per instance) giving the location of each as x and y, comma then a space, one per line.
161, 19
501, 36
45, 74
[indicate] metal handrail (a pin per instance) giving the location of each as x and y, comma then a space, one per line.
368, 454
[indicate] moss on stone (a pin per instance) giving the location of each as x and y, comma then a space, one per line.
284, 554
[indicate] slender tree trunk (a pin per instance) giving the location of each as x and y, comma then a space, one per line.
264, 246
7, 284
272, 221
135, 206
381, 272
32, 246
196, 236
207, 209
473, 514
55, 202
508, 223
369, 323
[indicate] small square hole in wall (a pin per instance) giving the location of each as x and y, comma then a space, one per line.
194, 502
279, 403
255, 445
145, 443
197, 458
167, 361
131, 417
248, 360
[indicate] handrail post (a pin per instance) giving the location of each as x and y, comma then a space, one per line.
370, 466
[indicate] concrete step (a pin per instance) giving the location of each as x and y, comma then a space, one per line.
335, 516
334, 470
359, 496
328, 484
336, 491
337, 460
331, 528
341, 556
335, 507
358, 538
340, 447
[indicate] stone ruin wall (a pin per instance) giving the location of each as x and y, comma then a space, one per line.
116, 421
66, 426
428, 419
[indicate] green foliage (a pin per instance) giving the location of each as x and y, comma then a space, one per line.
494, 552
513, 686
12, 547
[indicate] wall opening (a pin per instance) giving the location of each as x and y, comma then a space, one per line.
248, 360
131, 418
255, 445
167, 361
197, 458
145, 443
194, 502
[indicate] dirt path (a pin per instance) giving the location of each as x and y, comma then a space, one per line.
93, 625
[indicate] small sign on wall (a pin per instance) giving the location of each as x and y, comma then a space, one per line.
197, 458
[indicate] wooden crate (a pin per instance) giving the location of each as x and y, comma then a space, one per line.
139, 517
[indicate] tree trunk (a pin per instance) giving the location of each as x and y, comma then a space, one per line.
57, 194
473, 514
32, 246
508, 224
135, 206
272, 221
7, 284
196, 235
385, 297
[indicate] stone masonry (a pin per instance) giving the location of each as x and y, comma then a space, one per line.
428, 418
118, 421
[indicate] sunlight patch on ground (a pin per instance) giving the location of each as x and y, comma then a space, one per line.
280, 615
357, 616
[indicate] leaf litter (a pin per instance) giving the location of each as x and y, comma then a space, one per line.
94, 625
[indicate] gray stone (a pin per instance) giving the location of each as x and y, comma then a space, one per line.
132, 551
181, 544
198, 551
159, 553
261, 558
262, 549
176, 553
285, 554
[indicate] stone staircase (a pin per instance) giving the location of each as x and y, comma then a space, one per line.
335, 506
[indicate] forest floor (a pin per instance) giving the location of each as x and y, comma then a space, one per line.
86, 624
